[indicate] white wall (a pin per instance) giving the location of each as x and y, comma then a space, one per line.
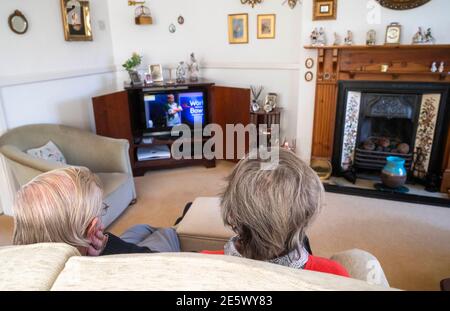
271, 63
360, 16
44, 78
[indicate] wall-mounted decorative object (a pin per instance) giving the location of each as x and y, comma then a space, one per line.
324, 9
76, 20
309, 63
18, 23
393, 34
251, 2
194, 69
157, 73
143, 16
180, 20
172, 28
238, 28
402, 4
266, 26
371, 37
309, 76
292, 3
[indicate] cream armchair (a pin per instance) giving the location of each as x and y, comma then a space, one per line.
106, 157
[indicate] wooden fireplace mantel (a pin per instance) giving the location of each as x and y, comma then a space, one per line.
400, 63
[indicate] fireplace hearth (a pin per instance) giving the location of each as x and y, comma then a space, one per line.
379, 119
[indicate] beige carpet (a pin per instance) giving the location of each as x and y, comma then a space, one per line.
411, 241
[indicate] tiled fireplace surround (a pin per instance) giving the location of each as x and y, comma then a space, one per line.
420, 106
346, 74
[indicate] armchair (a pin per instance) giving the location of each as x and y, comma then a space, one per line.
106, 157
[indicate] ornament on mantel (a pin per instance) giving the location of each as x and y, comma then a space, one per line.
434, 67
442, 67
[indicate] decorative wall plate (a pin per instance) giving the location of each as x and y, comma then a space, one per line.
309, 63
309, 76
402, 4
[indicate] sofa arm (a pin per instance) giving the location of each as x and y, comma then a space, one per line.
363, 266
99, 154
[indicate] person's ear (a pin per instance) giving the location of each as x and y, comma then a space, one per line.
92, 228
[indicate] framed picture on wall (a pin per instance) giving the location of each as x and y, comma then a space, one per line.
266, 26
324, 9
238, 28
76, 17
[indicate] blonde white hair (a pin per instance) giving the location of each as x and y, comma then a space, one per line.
57, 206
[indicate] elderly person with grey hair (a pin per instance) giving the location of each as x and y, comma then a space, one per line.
270, 210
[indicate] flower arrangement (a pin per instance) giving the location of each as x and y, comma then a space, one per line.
134, 61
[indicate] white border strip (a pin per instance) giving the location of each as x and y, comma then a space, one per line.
252, 66
9, 81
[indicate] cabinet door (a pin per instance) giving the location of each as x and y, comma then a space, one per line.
112, 117
231, 106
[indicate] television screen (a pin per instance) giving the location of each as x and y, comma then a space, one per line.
164, 111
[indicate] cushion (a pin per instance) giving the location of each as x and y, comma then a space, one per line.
33, 267
49, 152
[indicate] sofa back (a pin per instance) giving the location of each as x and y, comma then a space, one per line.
59, 267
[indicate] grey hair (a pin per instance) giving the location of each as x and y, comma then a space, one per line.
270, 210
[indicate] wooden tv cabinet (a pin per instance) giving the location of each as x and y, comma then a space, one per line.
115, 116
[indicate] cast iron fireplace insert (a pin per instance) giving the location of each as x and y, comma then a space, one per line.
379, 119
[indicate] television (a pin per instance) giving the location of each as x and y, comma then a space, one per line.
164, 110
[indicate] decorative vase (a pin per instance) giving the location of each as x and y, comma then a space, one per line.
394, 174
255, 107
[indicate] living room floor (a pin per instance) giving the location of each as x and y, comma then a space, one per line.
411, 241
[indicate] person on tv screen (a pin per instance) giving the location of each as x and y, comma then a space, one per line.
173, 111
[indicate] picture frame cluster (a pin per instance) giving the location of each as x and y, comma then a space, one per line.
238, 31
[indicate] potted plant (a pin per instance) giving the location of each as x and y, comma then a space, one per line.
130, 65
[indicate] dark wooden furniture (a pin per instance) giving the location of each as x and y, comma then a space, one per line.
268, 119
352, 63
115, 117
445, 285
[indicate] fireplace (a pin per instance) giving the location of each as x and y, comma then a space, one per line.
375, 120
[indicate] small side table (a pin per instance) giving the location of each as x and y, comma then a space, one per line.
267, 118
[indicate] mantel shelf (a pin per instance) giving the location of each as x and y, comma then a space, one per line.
381, 47
352, 73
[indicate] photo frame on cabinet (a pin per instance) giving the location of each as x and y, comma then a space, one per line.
324, 9
76, 17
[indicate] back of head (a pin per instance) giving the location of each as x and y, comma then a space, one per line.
57, 206
271, 209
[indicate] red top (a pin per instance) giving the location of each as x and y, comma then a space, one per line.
314, 263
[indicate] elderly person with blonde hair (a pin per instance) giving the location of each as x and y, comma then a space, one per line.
270, 210
65, 206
